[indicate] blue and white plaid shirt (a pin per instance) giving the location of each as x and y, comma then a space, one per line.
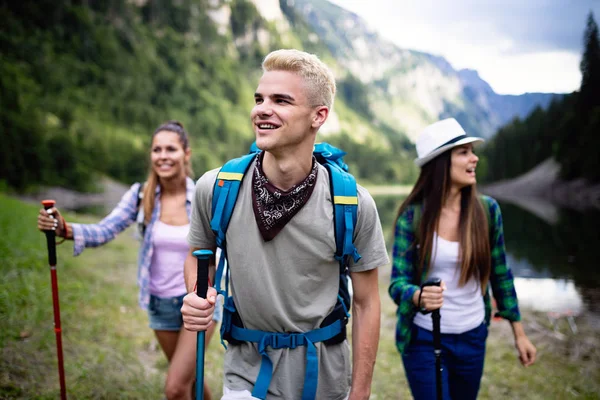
123, 215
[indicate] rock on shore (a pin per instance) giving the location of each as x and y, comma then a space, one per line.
541, 192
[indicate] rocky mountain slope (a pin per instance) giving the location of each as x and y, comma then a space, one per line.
410, 89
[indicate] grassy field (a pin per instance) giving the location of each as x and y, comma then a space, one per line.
110, 353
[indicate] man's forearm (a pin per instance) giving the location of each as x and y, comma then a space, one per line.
190, 270
365, 340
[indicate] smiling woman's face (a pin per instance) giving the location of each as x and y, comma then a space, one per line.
462, 166
168, 155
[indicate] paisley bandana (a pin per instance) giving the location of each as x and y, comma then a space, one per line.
273, 207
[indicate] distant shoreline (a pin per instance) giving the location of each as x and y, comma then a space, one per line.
389, 190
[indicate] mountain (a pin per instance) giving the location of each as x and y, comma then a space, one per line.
410, 89
84, 84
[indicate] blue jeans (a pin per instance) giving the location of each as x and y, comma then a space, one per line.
462, 363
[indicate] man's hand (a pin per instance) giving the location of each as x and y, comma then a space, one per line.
198, 312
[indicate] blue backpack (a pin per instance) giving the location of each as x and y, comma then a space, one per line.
333, 328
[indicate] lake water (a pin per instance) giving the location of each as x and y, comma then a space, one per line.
556, 266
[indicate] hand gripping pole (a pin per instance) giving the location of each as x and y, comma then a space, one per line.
51, 244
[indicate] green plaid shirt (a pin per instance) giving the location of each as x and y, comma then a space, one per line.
404, 284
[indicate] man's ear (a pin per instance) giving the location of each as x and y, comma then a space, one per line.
320, 116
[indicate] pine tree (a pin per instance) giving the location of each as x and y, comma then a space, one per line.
590, 67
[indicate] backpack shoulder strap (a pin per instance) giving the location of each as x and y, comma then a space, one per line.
345, 200
140, 195
345, 204
139, 211
225, 192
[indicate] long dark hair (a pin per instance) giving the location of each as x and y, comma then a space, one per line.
152, 180
431, 191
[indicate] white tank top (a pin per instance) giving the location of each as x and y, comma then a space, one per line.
463, 307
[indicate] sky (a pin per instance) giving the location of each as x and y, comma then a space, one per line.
517, 46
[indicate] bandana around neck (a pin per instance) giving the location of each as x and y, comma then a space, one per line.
273, 207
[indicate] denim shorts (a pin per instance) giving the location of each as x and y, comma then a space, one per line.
165, 313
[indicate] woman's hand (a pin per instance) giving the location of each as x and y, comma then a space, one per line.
526, 350
51, 220
432, 297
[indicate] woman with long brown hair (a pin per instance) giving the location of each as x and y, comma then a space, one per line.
162, 207
445, 229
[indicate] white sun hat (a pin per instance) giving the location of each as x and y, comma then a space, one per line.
439, 137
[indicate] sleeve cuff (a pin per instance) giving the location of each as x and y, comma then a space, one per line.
508, 315
409, 293
78, 239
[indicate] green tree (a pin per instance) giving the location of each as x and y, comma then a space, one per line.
568, 130
590, 67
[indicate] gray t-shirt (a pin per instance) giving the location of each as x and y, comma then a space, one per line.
289, 284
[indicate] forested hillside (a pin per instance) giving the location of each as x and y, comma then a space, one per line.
569, 130
83, 84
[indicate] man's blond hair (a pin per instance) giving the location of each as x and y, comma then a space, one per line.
320, 82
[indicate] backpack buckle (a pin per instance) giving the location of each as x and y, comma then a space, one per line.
286, 341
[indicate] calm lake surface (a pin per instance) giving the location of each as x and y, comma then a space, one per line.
556, 266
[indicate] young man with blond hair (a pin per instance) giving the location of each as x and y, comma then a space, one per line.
280, 247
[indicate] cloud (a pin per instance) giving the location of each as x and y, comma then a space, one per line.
533, 43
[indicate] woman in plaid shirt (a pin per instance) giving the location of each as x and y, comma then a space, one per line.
442, 230
163, 215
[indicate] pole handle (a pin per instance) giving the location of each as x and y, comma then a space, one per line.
433, 281
203, 257
50, 235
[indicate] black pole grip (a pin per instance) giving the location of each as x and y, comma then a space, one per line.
50, 236
203, 257
433, 281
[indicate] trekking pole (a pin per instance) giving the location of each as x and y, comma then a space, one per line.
203, 257
51, 243
437, 339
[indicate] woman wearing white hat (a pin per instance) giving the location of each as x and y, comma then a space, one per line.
445, 229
